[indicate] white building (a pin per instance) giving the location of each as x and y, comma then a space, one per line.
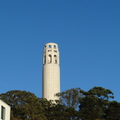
4, 111
51, 72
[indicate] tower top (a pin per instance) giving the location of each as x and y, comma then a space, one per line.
51, 54
51, 45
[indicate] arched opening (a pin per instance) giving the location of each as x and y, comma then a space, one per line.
44, 61
49, 58
50, 46
54, 46
55, 59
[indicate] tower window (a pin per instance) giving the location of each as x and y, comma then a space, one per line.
49, 58
2, 113
50, 46
49, 50
55, 50
44, 61
55, 59
54, 46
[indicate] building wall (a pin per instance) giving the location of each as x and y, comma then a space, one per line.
4, 111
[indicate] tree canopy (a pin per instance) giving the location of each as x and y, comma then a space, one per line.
74, 104
94, 103
24, 105
70, 98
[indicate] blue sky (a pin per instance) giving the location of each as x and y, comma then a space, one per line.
88, 35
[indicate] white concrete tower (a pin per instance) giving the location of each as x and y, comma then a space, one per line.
51, 72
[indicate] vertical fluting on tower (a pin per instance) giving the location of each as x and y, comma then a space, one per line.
51, 72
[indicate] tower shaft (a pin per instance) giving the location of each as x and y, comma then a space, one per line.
51, 72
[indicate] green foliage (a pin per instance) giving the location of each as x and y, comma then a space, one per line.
57, 111
70, 98
94, 104
24, 105
113, 111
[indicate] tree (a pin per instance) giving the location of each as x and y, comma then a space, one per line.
70, 98
24, 105
113, 111
94, 103
55, 111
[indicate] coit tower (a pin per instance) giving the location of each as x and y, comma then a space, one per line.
51, 72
